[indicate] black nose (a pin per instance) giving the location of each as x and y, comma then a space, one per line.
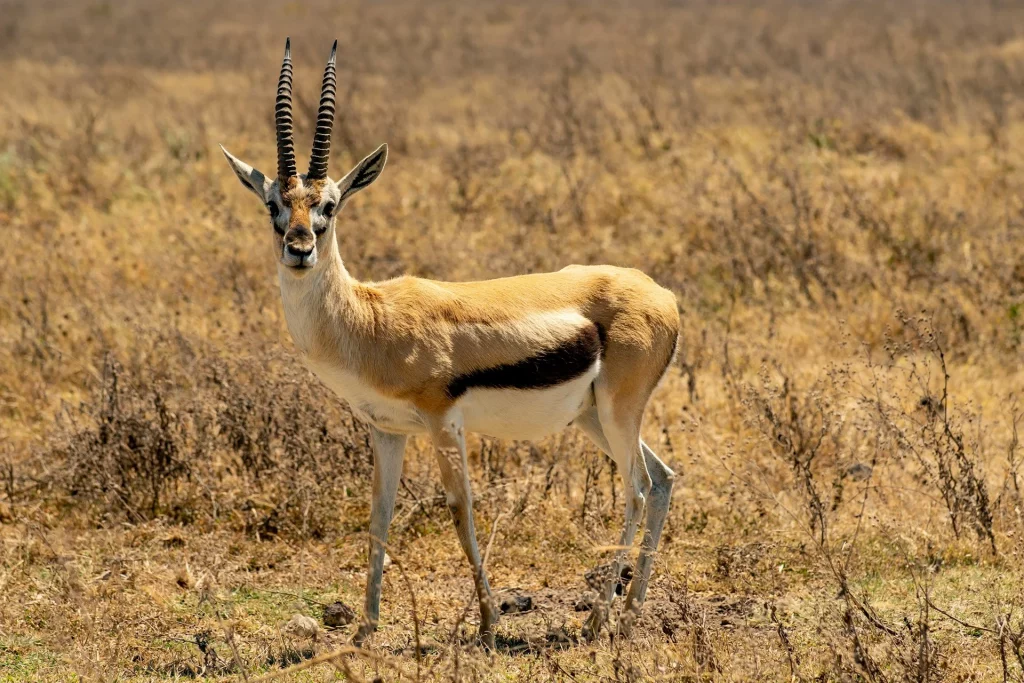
299, 251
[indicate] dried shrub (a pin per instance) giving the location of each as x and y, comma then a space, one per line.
136, 456
275, 448
932, 434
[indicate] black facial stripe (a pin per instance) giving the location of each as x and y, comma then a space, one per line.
560, 364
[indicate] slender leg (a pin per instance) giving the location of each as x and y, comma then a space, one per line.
450, 443
388, 453
657, 509
623, 442
591, 426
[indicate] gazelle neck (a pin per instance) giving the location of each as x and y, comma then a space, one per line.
318, 306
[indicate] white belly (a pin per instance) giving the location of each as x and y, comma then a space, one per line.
526, 414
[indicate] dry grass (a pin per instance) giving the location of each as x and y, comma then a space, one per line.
833, 190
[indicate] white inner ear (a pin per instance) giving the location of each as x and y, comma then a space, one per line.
364, 173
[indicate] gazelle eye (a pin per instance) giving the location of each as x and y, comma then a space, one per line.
274, 211
328, 209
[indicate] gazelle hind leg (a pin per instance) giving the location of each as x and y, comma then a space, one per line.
621, 437
657, 509
591, 426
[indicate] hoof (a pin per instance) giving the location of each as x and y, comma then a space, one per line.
364, 632
625, 625
488, 618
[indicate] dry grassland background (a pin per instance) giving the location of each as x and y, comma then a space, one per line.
832, 189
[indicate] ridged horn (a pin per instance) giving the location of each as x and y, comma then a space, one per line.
324, 120
283, 119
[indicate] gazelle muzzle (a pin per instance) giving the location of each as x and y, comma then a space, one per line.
299, 248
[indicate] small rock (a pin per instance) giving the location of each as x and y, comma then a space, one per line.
517, 604
338, 614
387, 560
859, 472
585, 603
302, 626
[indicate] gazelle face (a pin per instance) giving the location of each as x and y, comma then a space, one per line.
303, 221
303, 215
303, 208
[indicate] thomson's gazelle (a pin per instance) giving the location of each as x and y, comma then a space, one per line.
516, 358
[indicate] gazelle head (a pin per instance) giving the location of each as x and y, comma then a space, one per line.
303, 208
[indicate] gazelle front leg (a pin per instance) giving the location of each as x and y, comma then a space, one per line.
450, 442
388, 453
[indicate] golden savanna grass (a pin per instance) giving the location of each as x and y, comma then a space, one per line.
832, 189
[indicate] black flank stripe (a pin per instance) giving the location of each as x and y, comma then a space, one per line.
548, 368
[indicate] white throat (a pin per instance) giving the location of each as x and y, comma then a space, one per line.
315, 300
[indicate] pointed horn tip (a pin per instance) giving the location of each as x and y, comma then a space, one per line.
288, 47
334, 52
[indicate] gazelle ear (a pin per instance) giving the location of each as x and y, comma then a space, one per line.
255, 181
364, 173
